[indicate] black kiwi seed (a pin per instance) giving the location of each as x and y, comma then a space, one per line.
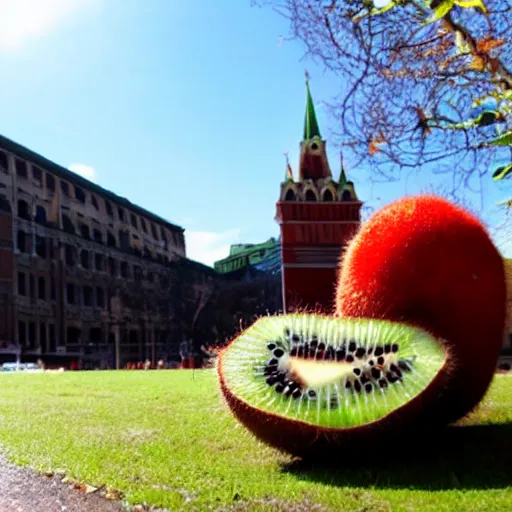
271, 346
394, 347
287, 332
352, 346
271, 380
278, 352
321, 346
357, 371
313, 343
404, 365
378, 351
340, 355
279, 387
311, 393
294, 351
357, 386
369, 351
380, 360
387, 349
296, 338
348, 384
383, 383
273, 362
360, 352
296, 393
349, 358
371, 362
364, 379
368, 387
391, 377
375, 373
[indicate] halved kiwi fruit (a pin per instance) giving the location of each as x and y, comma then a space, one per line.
307, 383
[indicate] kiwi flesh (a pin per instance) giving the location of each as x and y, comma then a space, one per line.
307, 383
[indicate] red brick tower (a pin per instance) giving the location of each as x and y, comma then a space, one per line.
317, 217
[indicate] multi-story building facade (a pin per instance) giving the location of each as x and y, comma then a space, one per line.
83, 272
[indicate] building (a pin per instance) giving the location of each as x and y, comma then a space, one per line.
85, 275
250, 259
317, 216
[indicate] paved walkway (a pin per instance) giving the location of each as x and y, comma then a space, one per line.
23, 490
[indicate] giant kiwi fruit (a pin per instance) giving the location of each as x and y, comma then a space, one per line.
421, 297
429, 263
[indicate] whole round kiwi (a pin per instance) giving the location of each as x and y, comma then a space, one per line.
312, 385
427, 262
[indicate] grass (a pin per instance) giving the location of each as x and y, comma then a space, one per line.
166, 438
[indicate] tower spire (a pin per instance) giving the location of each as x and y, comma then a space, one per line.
310, 122
343, 177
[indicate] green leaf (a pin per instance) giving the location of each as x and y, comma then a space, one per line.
467, 4
504, 139
441, 11
502, 172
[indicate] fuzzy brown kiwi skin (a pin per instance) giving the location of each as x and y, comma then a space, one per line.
316, 442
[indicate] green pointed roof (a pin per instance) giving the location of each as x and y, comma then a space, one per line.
343, 178
310, 123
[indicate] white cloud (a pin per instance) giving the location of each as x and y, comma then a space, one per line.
86, 171
208, 247
22, 20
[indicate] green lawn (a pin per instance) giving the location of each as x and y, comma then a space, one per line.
166, 438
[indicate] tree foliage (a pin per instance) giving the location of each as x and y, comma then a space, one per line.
422, 83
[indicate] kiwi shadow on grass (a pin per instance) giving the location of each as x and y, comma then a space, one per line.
460, 457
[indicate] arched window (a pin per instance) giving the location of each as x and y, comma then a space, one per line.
23, 210
310, 195
111, 240
40, 215
346, 196
67, 224
328, 195
290, 195
85, 231
21, 241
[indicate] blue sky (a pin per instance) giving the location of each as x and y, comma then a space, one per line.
185, 108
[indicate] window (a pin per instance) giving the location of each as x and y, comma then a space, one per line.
79, 195
95, 335
21, 168
41, 288
94, 202
111, 240
137, 272
120, 214
108, 207
37, 175
23, 210
99, 262
67, 224
32, 286
4, 162
87, 293
144, 227
21, 241
133, 220
51, 337
40, 215
85, 231
112, 267
154, 232
22, 333
124, 240
53, 290
42, 336
100, 298
73, 335
84, 258
50, 182
41, 246
124, 269
22, 284
70, 293
97, 236
70, 255
31, 334
64, 187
